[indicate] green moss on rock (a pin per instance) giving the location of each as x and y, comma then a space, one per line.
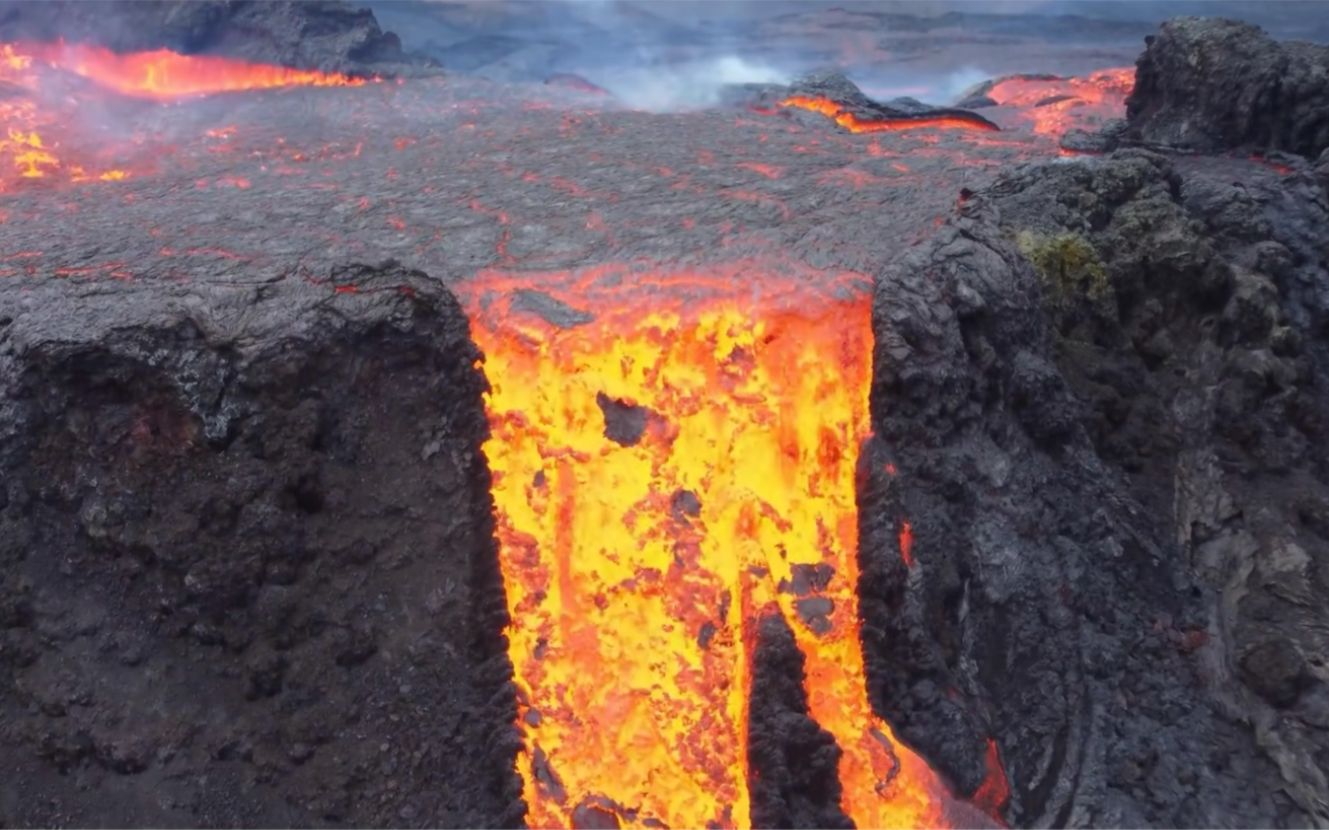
1071, 271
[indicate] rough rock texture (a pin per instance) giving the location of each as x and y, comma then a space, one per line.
330, 35
1213, 85
1103, 385
792, 760
248, 577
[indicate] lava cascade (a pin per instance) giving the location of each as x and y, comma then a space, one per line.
1052, 106
663, 470
34, 123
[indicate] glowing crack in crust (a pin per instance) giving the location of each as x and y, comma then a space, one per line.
664, 465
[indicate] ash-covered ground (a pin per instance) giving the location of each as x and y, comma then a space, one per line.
248, 577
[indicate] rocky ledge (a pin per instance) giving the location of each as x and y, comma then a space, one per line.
1103, 385
247, 574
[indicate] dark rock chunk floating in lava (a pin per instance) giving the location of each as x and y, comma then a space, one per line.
625, 423
328, 35
261, 515
1213, 85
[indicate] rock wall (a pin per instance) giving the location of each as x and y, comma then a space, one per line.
1102, 389
1213, 85
247, 576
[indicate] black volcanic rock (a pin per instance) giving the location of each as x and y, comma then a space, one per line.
329, 35
245, 531
1212, 85
1103, 387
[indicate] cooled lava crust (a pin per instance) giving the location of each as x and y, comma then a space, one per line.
999, 579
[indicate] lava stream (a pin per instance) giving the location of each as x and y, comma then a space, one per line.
673, 461
36, 128
954, 120
165, 75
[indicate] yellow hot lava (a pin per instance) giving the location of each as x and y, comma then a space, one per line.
629, 565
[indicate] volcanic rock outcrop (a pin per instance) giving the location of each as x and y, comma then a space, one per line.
1103, 388
1213, 85
245, 557
327, 35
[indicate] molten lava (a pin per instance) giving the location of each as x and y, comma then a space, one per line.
1054, 105
164, 75
34, 126
666, 466
852, 123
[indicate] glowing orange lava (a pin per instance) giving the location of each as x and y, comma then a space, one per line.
661, 468
32, 127
165, 75
850, 122
1053, 106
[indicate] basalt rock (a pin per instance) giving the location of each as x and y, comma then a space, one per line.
1214, 85
248, 568
1101, 391
329, 35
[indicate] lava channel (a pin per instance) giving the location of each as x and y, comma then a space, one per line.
668, 453
851, 121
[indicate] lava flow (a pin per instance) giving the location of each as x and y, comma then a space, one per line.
35, 124
1054, 105
954, 120
665, 466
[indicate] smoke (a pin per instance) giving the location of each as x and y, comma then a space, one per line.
687, 86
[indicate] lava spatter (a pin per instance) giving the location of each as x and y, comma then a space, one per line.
628, 564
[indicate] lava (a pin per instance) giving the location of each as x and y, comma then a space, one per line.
35, 125
957, 120
164, 75
671, 457
1052, 106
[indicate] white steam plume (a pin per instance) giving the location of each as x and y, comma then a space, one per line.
689, 85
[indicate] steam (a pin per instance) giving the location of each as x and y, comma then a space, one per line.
686, 86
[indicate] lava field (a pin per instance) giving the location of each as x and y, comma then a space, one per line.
674, 315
